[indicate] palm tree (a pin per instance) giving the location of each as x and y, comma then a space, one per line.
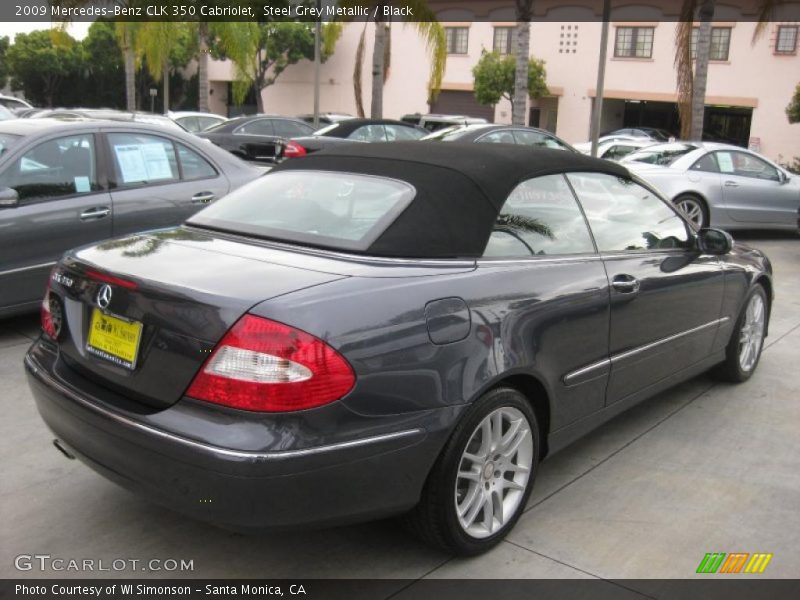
237, 40
427, 26
126, 32
520, 104
692, 83
156, 42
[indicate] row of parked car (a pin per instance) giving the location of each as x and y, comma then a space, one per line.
73, 176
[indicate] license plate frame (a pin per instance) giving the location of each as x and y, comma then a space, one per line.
108, 341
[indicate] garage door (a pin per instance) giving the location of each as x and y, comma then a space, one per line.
451, 102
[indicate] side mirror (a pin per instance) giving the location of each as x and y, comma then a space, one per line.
714, 241
783, 177
8, 198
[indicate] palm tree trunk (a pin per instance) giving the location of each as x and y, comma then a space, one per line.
519, 106
130, 73
202, 68
259, 98
165, 77
701, 70
378, 72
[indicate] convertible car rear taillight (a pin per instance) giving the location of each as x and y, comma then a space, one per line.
293, 150
262, 365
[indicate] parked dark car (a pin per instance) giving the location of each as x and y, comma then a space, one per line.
326, 119
501, 134
65, 184
384, 328
259, 138
352, 130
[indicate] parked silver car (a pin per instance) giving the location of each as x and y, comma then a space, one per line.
69, 183
721, 185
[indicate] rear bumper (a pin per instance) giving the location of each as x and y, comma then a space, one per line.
347, 481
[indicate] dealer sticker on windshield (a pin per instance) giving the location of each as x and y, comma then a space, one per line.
114, 339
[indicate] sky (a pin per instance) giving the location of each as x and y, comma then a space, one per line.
76, 30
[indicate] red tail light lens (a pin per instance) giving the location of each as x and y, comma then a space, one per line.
294, 150
97, 276
48, 326
262, 365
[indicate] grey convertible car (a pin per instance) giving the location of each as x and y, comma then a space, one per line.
384, 329
721, 185
65, 184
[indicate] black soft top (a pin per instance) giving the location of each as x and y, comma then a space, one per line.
460, 188
348, 126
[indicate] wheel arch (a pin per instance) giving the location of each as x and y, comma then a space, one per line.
537, 395
764, 281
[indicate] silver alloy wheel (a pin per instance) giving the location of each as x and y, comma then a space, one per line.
493, 472
692, 208
751, 335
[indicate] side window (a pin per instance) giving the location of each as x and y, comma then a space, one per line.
258, 127
504, 136
193, 165
533, 138
287, 128
399, 133
747, 165
624, 215
190, 123
204, 123
141, 159
369, 133
708, 164
55, 168
541, 216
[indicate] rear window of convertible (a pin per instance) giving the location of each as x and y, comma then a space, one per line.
345, 211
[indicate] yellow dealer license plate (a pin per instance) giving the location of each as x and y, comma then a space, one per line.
114, 339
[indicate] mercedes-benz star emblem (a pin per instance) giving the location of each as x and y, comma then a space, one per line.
104, 296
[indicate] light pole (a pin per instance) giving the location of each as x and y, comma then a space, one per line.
601, 78
317, 62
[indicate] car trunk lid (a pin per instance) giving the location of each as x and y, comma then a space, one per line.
142, 313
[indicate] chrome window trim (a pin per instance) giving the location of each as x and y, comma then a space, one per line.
572, 375
208, 448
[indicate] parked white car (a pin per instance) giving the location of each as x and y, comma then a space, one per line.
196, 121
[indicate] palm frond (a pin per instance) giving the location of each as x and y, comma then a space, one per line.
433, 34
766, 10
521, 224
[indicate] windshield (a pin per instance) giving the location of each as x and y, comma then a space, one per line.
662, 154
344, 211
6, 114
6, 141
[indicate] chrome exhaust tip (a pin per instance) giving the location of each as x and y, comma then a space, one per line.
63, 449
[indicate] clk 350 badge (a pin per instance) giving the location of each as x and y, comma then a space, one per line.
62, 279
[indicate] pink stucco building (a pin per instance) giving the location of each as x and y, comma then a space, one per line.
749, 84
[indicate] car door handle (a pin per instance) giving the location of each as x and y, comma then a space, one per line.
626, 284
203, 198
730, 183
97, 212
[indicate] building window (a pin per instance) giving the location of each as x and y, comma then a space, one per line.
720, 43
786, 40
503, 40
457, 38
634, 42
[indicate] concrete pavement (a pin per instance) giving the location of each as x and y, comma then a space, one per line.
704, 467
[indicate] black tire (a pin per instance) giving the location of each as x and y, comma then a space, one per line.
434, 520
731, 369
691, 199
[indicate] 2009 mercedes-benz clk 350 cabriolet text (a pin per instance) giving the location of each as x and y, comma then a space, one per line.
386, 329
